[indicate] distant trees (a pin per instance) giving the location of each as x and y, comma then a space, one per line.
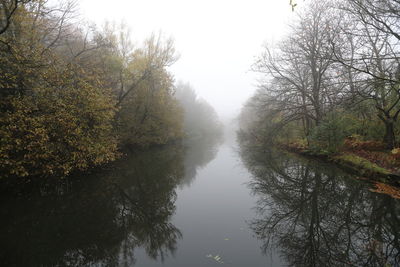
200, 118
337, 69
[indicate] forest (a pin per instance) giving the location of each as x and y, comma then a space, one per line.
75, 95
332, 84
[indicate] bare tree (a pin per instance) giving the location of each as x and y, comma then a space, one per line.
302, 67
371, 58
383, 15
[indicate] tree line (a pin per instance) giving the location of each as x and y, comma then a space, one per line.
200, 119
73, 94
336, 74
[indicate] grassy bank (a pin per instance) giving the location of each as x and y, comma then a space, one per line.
380, 166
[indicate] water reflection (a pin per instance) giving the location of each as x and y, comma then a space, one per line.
98, 219
316, 215
198, 153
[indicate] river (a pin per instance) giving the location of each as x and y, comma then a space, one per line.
205, 203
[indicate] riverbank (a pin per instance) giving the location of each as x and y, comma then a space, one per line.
377, 166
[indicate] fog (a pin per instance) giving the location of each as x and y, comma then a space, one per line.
216, 40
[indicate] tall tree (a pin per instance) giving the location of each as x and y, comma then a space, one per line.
302, 67
372, 59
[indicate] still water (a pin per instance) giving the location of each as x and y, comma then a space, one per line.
205, 203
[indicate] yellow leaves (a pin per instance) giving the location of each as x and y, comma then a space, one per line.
152, 117
395, 151
60, 116
54, 131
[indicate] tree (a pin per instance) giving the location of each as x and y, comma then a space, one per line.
382, 15
200, 118
148, 112
7, 11
373, 61
72, 94
298, 74
57, 113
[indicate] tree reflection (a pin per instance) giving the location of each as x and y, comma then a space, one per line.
95, 220
318, 216
199, 152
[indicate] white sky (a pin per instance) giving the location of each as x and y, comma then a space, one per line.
217, 39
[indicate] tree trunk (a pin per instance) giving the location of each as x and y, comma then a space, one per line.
389, 139
318, 114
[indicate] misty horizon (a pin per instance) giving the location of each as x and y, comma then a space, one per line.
217, 40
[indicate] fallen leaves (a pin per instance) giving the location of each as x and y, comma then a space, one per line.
382, 188
217, 258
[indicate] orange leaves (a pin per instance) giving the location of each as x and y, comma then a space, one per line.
372, 151
386, 189
356, 144
298, 145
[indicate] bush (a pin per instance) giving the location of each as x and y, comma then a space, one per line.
329, 135
54, 131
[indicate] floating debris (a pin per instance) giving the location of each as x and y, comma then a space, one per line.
217, 258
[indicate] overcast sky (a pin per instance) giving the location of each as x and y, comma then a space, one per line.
217, 39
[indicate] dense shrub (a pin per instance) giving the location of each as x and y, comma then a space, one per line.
71, 95
55, 130
329, 134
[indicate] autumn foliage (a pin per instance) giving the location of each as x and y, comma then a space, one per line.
72, 95
355, 143
383, 188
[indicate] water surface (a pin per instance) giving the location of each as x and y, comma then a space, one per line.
201, 204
